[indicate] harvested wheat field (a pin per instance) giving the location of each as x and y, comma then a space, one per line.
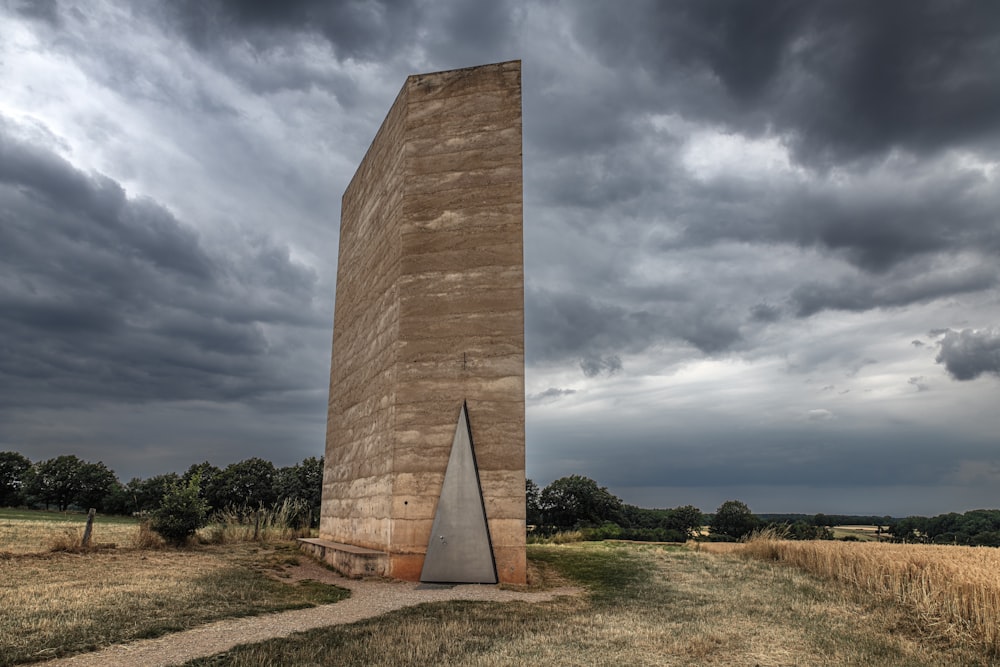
954, 591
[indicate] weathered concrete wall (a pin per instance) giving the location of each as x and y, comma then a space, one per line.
430, 312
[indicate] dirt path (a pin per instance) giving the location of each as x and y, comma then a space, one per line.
368, 599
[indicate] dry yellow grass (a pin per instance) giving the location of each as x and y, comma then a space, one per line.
954, 590
26, 537
63, 603
649, 605
267, 525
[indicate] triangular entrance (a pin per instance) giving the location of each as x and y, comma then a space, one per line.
459, 550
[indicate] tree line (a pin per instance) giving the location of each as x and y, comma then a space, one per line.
974, 528
578, 503
67, 482
569, 503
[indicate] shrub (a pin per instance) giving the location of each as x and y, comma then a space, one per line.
181, 512
606, 531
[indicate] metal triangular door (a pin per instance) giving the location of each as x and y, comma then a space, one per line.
459, 549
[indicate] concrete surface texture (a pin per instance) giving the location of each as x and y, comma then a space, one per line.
430, 313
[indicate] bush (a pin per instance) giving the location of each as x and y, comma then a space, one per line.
606, 531
182, 511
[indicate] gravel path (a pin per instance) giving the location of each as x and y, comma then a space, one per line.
368, 599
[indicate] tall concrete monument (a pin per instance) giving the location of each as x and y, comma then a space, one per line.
424, 474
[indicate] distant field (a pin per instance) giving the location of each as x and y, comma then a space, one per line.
59, 517
35, 531
862, 533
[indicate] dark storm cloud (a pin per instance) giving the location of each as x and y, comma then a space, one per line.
886, 114
880, 219
356, 29
969, 353
572, 326
108, 297
905, 286
848, 79
44, 10
372, 30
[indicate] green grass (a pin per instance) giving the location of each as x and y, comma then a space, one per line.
646, 606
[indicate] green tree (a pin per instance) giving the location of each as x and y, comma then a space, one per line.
13, 468
576, 501
247, 484
118, 500
181, 512
733, 519
67, 480
96, 483
301, 483
532, 503
689, 520
147, 494
56, 481
212, 488
910, 529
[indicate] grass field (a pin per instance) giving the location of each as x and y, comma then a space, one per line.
763, 603
647, 606
59, 604
33, 531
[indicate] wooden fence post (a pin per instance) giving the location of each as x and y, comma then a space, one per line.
89, 528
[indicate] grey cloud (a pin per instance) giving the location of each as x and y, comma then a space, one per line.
848, 79
969, 353
43, 10
875, 219
107, 297
472, 33
564, 326
765, 312
375, 31
901, 287
816, 452
594, 366
551, 392
355, 29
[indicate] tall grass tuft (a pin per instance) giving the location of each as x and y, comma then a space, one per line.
269, 524
561, 537
70, 539
146, 538
955, 590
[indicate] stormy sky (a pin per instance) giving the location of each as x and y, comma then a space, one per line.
761, 238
